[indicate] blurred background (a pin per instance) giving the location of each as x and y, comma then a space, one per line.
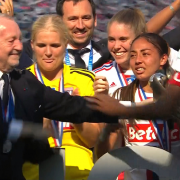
27, 11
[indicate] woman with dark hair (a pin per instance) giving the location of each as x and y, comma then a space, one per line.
148, 53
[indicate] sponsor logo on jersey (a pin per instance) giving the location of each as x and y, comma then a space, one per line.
112, 84
144, 133
177, 77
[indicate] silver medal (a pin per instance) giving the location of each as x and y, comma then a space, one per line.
7, 146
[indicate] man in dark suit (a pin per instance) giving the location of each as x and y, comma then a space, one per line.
30, 101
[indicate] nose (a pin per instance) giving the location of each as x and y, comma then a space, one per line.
48, 51
18, 45
117, 45
138, 59
80, 24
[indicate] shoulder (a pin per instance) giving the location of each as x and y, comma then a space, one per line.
17, 73
105, 67
30, 68
81, 73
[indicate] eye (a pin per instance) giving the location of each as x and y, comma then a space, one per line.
110, 39
87, 17
55, 45
11, 41
123, 39
132, 56
40, 45
145, 54
73, 18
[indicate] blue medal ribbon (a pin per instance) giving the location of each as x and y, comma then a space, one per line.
165, 145
90, 64
121, 76
57, 125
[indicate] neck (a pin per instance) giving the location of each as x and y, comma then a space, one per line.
52, 75
79, 46
146, 87
125, 66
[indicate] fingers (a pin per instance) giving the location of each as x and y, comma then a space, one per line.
101, 84
7, 7
75, 92
92, 100
94, 107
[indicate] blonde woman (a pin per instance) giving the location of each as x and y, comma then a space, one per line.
49, 41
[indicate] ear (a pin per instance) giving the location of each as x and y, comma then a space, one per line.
95, 20
163, 60
32, 45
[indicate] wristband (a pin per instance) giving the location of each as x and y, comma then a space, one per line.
171, 8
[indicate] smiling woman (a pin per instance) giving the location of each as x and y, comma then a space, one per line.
122, 29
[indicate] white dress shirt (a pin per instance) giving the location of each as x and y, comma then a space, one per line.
15, 126
85, 56
1, 85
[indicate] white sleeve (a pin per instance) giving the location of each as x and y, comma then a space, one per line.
174, 59
15, 129
125, 103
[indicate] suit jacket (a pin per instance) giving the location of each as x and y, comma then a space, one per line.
27, 55
33, 101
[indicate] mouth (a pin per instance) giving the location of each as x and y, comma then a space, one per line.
80, 34
119, 54
14, 54
48, 60
140, 70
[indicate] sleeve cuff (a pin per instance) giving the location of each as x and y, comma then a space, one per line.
15, 129
126, 103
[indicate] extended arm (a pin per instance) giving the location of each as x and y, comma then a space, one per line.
159, 21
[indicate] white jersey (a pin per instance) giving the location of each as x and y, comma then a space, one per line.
118, 78
115, 76
174, 59
144, 134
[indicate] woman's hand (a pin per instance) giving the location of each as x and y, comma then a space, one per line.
75, 92
48, 126
6, 7
101, 85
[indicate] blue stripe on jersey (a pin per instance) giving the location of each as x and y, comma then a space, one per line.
104, 66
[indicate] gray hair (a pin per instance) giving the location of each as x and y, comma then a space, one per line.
5, 16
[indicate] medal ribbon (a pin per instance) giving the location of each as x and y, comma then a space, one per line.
164, 145
57, 125
121, 75
8, 113
90, 64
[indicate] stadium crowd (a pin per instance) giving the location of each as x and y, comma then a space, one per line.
58, 84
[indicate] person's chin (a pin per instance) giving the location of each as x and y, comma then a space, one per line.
14, 63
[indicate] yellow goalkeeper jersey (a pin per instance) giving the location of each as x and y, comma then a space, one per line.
78, 158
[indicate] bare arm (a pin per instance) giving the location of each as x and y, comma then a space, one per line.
159, 21
110, 139
166, 106
88, 133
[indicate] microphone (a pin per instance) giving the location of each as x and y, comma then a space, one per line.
157, 82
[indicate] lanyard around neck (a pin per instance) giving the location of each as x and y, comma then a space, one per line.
90, 63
